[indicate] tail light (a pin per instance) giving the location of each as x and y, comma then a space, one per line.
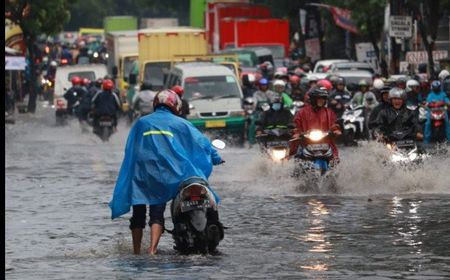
194, 192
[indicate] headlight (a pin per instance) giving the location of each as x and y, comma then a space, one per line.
278, 154
106, 55
412, 156
43, 81
389, 146
315, 135
398, 157
96, 54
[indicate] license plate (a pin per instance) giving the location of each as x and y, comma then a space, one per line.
317, 147
194, 204
212, 124
108, 123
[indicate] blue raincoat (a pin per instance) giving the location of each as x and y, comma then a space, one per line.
162, 150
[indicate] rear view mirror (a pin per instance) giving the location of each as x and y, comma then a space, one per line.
218, 144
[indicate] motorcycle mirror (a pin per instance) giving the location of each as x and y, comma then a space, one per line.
265, 107
219, 144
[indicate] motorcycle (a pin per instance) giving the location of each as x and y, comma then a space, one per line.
195, 216
105, 127
314, 152
437, 112
353, 123
275, 143
404, 150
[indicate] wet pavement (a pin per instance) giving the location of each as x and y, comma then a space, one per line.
384, 223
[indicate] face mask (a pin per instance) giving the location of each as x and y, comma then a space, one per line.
276, 106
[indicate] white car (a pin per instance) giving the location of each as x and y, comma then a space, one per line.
322, 66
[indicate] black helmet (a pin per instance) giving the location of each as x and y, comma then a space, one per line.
340, 81
319, 93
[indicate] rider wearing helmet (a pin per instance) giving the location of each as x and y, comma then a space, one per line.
276, 117
444, 76
263, 95
106, 102
413, 96
397, 118
184, 104
279, 86
161, 141
384, 104
364, 96
316, 116
339, 97
297, 93
143, 100
74, 94
436, 95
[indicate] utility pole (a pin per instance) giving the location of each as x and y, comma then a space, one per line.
394, 63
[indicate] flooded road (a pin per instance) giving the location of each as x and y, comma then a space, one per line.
382, 224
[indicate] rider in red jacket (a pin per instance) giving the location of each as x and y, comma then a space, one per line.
316, 116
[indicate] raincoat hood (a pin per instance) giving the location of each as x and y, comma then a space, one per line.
162, 151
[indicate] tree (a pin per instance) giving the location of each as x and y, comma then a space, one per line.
428, 13
36, 17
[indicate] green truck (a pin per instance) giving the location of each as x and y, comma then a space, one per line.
120, 23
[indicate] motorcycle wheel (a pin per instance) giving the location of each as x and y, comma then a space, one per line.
438, 134
349, 137
105, 134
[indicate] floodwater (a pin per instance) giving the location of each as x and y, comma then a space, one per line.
384, 223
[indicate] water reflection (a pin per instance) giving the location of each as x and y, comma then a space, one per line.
316, 233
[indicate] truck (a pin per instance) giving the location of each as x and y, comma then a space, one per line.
271, 33
123, 51
158, 46
158, 22
217, 11
119, 23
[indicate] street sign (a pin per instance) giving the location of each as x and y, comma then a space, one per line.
366, 53
422, 56
400, 26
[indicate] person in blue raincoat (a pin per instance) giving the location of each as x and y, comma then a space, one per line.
162, 150
436, 95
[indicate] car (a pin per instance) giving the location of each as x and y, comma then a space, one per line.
351, 66
63, 81
214, 96
322, 66
250, 57
353, 77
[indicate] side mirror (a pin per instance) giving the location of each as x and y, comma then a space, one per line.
132, 79
115, 71
218, 144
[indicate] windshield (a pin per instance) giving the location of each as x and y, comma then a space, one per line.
87, 74
155, 72
247, 60
128, 65
354, 68
277, 50
211, 87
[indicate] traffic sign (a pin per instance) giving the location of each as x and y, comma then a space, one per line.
400, 26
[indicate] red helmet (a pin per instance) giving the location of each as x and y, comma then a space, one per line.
76, 81
178, 90
107, 84
169, 99
294, 79
326, 84
85, 82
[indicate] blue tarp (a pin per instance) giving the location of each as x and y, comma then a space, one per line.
162, 150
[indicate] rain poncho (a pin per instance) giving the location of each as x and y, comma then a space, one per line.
162, 150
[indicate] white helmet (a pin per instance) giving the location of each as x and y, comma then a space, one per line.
251, 78
53, 63
411, 83
443, 75
279, 83
378, 84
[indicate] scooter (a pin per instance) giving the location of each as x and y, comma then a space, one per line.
195, 216
313, 152
275, 143
353, 122
104, 127
404, 150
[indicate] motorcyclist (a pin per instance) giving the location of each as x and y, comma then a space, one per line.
436, 95
105, 103
160, 141
364, 96
312, 84
276, 117
377, 85
143, 100
184, 104
266, 70
339, 98
74, 94
279, 86
444, 77
413, 96
263, 95
317, 116
397, 118
297, 93
384, 104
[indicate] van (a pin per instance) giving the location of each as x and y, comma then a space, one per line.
214, 96
63, 81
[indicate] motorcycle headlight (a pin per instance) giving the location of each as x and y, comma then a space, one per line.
106, 55
315, 135
43, 81
96, 54
412, 156
278, 154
